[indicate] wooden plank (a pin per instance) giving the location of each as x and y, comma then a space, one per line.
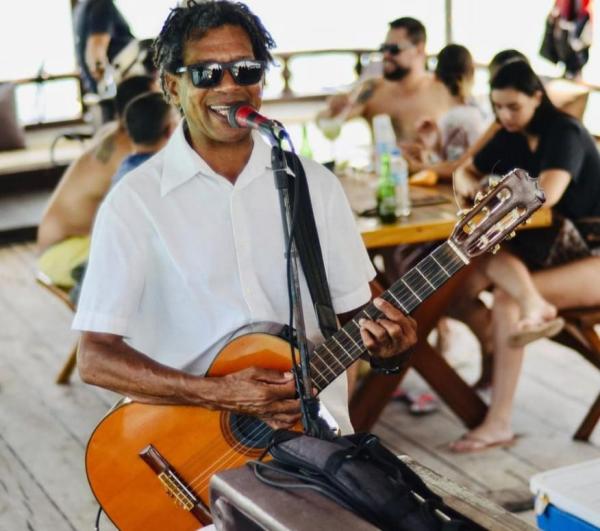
481, 510
496, 473
49, 448
24, 502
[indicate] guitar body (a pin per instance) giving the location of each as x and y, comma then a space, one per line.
193, 441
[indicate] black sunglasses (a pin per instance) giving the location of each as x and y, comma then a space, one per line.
394, 49
210, 74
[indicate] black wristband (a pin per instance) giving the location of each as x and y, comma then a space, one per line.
393, 365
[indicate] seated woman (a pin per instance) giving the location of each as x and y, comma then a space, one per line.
441, 144
565, 264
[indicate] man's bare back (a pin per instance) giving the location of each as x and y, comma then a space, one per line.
74, 203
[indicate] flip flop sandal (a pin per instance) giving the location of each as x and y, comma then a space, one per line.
545, 329
480, 445
418, 404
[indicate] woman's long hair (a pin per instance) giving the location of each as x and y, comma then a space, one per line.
519, 76
454, 67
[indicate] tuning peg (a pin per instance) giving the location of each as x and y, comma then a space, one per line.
495, 249
511, 235
528, 221
462, 213
478, 197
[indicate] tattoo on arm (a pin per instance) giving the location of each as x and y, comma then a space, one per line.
106, 149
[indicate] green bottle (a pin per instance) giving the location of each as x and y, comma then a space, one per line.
386, 192
305, 149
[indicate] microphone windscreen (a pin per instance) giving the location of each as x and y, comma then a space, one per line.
238, 115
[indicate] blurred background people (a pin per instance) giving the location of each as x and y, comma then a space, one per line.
568, 35
407, 92
101, 32
149, 122
565, 262
440, 144
63, 232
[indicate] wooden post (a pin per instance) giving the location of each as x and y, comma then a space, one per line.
448, 9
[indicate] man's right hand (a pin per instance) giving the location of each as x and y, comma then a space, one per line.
264, 393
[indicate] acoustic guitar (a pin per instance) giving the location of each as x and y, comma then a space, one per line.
149, 466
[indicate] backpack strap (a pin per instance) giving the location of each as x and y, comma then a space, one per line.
309, 249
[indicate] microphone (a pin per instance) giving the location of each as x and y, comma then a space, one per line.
243, 115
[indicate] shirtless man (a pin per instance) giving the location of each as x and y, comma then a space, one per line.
407, 92
67, 221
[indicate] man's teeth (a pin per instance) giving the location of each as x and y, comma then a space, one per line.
221, 109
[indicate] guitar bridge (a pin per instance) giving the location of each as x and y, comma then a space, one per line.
174, 486
176, 489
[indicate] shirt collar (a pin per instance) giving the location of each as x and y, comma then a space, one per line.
182, 163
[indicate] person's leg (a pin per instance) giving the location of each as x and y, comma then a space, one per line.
496, 428
469, 309
576, 284
512, 276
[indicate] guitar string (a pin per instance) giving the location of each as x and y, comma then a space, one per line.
266, 428
350, 345
263, 428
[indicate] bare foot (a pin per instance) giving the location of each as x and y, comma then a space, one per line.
482, 438
538, 320
535, 310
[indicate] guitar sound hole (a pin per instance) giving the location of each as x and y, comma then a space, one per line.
250, 431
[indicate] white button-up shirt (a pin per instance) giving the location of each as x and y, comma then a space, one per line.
181, 257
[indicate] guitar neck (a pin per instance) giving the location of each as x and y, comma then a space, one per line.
332, 357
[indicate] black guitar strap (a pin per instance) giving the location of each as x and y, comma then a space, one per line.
309, 249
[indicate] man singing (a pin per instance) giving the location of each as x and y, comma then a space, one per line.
189, 248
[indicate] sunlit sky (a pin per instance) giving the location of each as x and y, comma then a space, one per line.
40, 33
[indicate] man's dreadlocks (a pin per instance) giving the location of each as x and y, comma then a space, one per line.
194, 20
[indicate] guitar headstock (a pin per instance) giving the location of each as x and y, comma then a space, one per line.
497, 212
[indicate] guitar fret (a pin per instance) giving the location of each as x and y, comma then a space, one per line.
441, 266
398, 301
333, 356
340, 345
410, 289
421, 273
320, 374
351, 338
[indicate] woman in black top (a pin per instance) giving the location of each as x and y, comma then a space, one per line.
539, 138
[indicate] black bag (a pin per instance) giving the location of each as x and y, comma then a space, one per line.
359, 473
548, 48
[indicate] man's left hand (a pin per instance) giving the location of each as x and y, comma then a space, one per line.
391, 335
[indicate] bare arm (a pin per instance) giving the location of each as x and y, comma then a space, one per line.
466, 183
96, 49
341, 106
554, 183
107, 361
446, 169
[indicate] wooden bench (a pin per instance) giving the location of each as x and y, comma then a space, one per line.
580, 335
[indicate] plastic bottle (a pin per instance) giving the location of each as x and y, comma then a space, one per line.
305, 149
386, 192
384, 137
399, 170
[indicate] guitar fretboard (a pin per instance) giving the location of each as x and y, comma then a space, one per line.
332, 357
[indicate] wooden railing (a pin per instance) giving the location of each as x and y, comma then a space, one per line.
284, 59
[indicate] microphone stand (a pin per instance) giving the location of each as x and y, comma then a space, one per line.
314, 425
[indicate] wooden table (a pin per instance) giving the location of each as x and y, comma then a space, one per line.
432, 221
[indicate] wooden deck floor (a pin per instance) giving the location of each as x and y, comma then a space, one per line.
44, 427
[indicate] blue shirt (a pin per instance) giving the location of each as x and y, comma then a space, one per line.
129, 163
